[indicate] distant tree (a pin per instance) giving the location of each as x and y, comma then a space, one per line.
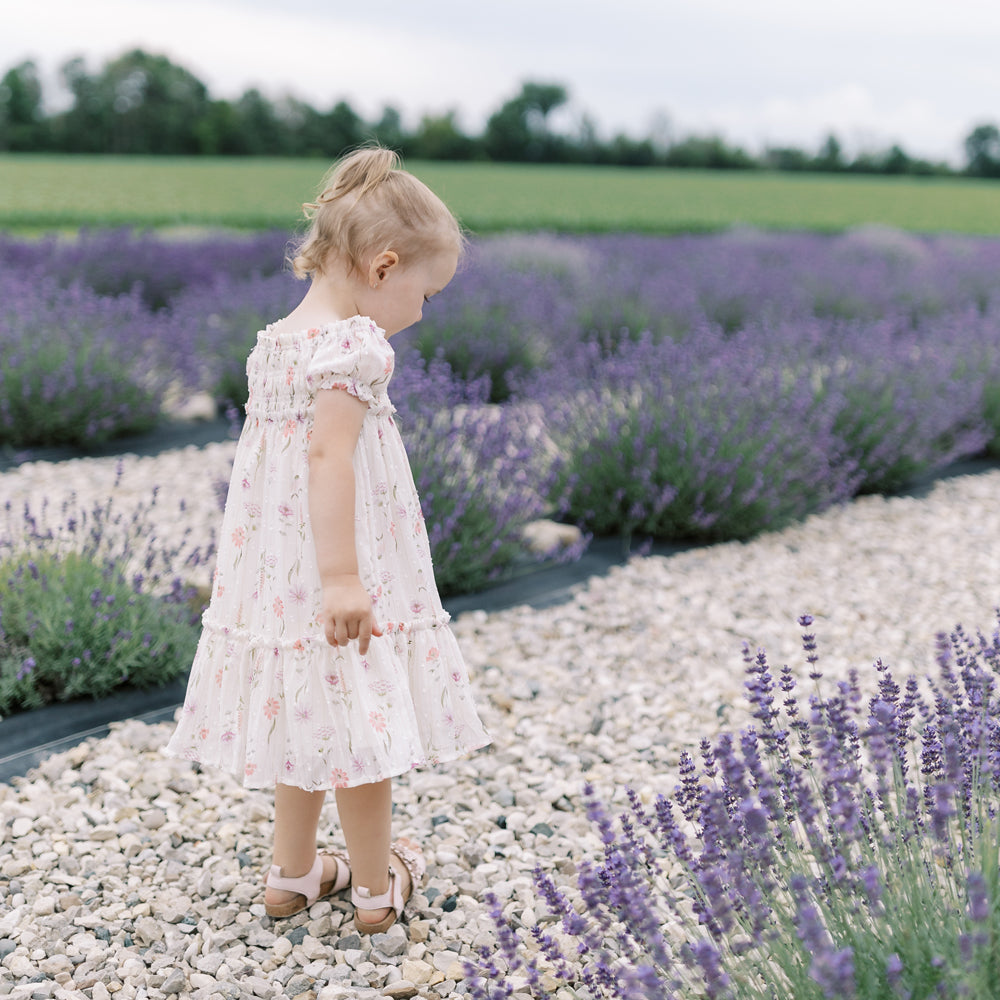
262, 132
519, 129
440, 138
138, 103
588, 145
304, 130
220, 130
897, 161
708, 153
787, 158
22, 122
982, 150
389, 130
542, 99
830, 156
628, 152
345, 129
88, 126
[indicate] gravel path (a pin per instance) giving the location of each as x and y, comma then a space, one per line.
125, 874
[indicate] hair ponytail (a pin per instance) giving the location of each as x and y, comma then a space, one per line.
368, 203
359, 173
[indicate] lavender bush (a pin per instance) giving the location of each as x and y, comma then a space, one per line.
75, 367
908, 407
116, 262
213, 327
97, 602
505, 312
837, 848
482, 473
701, 438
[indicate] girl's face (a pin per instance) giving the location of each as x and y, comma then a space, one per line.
395, 294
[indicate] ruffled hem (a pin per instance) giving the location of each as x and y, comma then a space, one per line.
260, 780
357, 388
304, 713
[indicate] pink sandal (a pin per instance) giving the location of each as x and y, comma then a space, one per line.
413, 861
308, 887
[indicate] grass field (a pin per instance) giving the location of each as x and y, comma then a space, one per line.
38, 193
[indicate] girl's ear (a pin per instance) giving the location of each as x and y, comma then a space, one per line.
381, 264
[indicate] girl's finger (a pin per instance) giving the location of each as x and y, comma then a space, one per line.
364, 636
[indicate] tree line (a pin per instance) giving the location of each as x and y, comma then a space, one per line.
142, 103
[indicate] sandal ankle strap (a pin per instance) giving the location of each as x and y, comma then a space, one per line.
362, 897
307, 885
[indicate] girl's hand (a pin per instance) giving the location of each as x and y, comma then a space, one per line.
347, 613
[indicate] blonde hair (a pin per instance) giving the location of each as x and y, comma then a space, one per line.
368, 204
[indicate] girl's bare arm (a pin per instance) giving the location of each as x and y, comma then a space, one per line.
346, 606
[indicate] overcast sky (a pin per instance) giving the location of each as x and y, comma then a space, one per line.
760, 72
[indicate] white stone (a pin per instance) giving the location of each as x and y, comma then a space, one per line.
548, 536
416, 971
21, 966
444, 960
313, 948
21, 827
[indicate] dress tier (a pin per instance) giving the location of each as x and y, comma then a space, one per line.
269, 699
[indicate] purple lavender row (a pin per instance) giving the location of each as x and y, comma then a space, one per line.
702, 386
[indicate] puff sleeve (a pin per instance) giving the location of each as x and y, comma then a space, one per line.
355, 357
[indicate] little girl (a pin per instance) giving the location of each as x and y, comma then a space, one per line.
326, 660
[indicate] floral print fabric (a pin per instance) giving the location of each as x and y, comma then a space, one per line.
268, 698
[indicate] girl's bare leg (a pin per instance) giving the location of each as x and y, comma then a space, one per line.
296, 821
366, 817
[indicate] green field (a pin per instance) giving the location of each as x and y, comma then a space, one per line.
38, 193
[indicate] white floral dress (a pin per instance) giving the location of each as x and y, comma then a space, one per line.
269, 699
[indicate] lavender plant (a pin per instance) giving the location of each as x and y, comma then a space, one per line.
113, 262
75, 367
504, 317
837, 848
706, 437
483, 472
93, 603
908, 407
213, 327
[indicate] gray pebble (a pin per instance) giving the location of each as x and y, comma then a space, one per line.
283, 975
504, 798
297, 934
298, 985
175, 983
